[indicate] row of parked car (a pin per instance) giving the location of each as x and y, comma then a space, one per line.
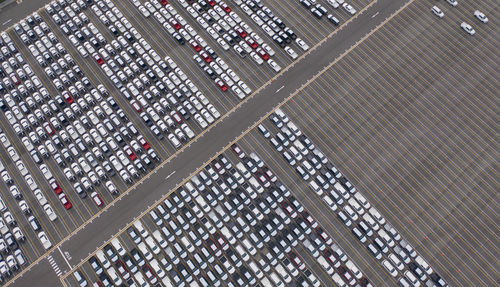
383, 241
205, 56
272, 25
229, 225
159, 91
60, 127
318, 10
92, 125
226, 27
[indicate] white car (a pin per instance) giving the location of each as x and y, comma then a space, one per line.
333, 3
44, 240
144, 11
244, 87
274, 65
187, 130
213, 110
291, 53
468, 28
437, 11
50, 212
452, 2
200, 121
480, 15
350, 9
302, 44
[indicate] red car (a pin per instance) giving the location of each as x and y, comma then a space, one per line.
64, 200
263, 180
251, 42
97, 199
309, 219
176, 117
163, 2
48, 128
221, 242
240, 31
221, 84
322, 234
149, 274
195, 45
269, 174
15, 79
98, 58
206, 57
237, 150
174, 23
297, 261
262, 54
211, 3
334, 261
55, 186
214, 248
122, 269
137, 107
144, 143
218, 167
289, 209
225, 7
68, 98
130, 153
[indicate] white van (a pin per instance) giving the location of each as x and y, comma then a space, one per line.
102, 258
140, 228
315, 187
330, 202
256, 270
423, 264
242, 253
187, 244
256, 185
339, 188
118, 246
413, 280
362, 200
354, 269
152, 244
376, 215
228, 235
328, 268
388, 266
158, 270
144, 250
277, 281
243, 170
279, 268
386, 237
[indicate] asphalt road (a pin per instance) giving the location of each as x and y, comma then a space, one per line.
84, 242
15, 12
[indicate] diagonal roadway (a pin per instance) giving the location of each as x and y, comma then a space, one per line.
102, 228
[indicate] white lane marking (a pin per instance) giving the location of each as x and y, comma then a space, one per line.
279, 89
64, 257
6, 22
172, 173
373, 16
54, 265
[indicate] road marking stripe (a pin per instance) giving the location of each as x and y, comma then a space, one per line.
64, 257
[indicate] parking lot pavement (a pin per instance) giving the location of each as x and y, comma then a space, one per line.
413, 123
214, 218
321, 212
399, 87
